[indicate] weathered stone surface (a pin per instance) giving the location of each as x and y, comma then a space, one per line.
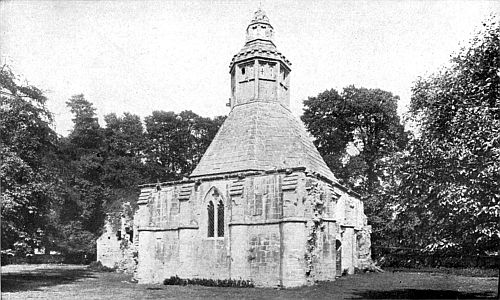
117, 246
261, 136
259, 241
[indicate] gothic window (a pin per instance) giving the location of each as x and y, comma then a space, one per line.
211, 221
215, 215
220, 219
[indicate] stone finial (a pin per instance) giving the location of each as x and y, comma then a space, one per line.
260, 17
260, 28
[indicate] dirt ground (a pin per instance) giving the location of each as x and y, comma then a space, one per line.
78, 282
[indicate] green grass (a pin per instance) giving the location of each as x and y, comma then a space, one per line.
79, 282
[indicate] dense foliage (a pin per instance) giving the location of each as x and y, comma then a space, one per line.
450, 185
27, 147
437, 190
57, 190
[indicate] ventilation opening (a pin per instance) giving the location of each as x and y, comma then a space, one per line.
243, 70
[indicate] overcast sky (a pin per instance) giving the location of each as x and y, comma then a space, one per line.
128, 56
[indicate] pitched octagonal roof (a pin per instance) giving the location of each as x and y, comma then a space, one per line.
261, 136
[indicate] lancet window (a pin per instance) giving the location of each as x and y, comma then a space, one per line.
215, 215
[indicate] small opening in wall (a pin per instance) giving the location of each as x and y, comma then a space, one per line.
243, 70
220, 219
119, 235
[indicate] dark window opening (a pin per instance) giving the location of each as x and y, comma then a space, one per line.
210, 211
131, 236
338, 244
119, 235
243, 71
220, 219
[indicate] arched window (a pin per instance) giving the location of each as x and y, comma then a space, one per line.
220, 219
211, 221
215, 215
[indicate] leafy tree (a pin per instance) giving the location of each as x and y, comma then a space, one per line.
123, 167
27, 145
358, 120
451, 176
81, 193
176, 142
86, 134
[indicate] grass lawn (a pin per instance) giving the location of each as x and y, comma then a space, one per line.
77, 282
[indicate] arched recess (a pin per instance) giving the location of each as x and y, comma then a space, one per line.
214, 214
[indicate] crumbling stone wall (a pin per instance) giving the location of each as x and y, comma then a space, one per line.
117, 246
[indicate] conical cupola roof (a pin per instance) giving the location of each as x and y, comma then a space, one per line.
261, 134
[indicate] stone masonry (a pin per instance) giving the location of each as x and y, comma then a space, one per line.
261, 205
117, 245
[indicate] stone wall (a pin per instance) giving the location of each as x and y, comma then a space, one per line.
117, 246
276, 229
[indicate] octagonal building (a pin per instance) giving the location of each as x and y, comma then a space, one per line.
261, 206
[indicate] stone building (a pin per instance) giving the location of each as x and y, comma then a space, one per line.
261, 205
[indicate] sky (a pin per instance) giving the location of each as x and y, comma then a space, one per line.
141, 56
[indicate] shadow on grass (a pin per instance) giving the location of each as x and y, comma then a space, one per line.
423, 294
33, 280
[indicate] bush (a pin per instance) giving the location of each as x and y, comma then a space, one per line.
175, 280
98, 267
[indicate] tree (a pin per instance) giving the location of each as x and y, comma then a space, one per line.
451, 176
359, 134
81, 193
123, 168
364, 119
86, 133
176, 142
27, 147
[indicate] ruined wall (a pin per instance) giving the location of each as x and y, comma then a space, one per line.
273, 229
117, 246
